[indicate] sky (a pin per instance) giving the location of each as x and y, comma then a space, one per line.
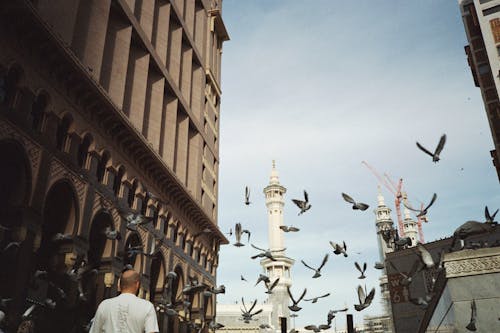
319, 86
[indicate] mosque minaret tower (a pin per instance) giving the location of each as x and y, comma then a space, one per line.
281, 268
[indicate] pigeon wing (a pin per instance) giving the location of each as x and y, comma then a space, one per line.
358, 267
363, 206
440, 145
275, 283
325, 295
257, 312
299, 203
325, 259
302, 261
434, 197
306, 196
291, 296
253, 305
258, 248
487, 215
361, 295
422, 148
425, 255
370, 296
237, 232
364, 267
348, 198
410, 207
302, 296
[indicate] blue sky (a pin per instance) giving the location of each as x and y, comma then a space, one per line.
320, 86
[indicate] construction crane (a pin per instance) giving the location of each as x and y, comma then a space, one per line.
395, 189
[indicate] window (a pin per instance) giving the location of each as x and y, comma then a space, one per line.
492, 10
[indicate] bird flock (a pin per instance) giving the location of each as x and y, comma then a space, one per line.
424, 260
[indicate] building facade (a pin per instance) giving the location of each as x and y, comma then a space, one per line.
108, 108
482, 26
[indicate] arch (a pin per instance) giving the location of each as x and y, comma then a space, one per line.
15, 178
100, 245
117, 182
133, 240
62, 131
38, 109
83, 149
177, 285
157, 277
60, 215
101, 166
13, 80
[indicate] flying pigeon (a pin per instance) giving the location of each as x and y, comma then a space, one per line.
262, 277
364, 300
247, 313
490, 218
337, 249
422, 212
473, 316
289, 228
362, 271
407, 277
242, 278
271, 286
317, 271
303, 205
355, 205
425, 256
265, 253
439, 148
294, 307
315, 299
237, 234
134, 220
247, 196
379, 265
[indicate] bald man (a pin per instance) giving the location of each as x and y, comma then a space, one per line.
126, 313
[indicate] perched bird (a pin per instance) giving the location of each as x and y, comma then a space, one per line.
243, 279
264, 326
362, 271
289, 228
489, 218
471, 228
364, 300
265, 253
355, 205
59, 237
112, 234
261, 278
317, 271
388, 235
473, 316
304, 205
379, 265
134, 220
421, 212
294, 307
337, 249
407, 277
271, 286
437, 151
247, 196
315, 299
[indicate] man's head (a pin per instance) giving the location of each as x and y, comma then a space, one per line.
130, 282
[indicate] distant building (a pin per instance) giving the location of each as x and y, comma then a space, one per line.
469, 275
407, 316
109, 108
482, 26
276, 306
230, 316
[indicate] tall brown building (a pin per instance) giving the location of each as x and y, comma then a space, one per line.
109, 110
482, 26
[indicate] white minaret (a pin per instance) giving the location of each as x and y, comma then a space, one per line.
280, 268
383, 221
410, 227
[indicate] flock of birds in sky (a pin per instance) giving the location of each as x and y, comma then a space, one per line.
424, 259
82, 272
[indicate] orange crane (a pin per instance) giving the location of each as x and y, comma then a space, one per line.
395, 189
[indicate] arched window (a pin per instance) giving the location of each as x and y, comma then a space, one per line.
11, 84
83, 149
131, 194
117, 183
37, 111
101, 166
62, 131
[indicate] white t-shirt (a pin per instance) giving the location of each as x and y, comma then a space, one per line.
125, 313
